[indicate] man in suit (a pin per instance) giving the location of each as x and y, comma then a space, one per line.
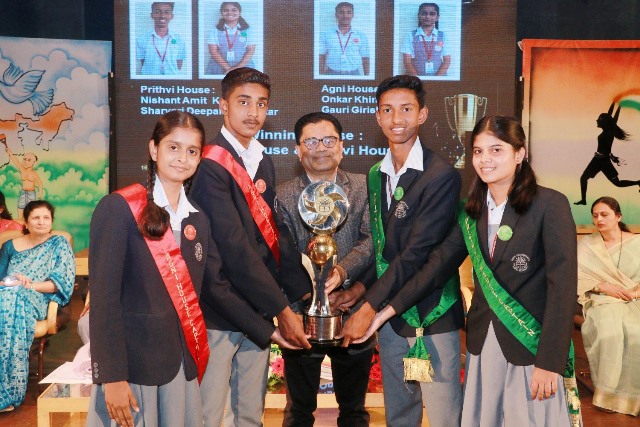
418, 194
319, 146
235, 186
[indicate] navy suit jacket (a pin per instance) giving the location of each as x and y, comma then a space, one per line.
413, 227
247, 261
135, 330
537, 266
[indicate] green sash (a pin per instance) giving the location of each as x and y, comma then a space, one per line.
522, 325
417, 364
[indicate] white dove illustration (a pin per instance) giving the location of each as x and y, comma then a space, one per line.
17, 87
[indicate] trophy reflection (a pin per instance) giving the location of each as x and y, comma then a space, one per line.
462, 119
323, 206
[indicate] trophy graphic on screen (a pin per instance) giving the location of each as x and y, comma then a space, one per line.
323, 206
462, 118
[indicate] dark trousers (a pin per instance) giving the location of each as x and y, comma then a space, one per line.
350, 381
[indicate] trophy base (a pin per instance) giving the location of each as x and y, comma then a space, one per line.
323, 329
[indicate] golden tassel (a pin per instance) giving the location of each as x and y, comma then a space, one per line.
418, 370
573, 401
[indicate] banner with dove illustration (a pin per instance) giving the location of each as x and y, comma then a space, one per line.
54, 127
582, 113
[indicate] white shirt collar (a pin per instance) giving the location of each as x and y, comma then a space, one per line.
232, 28
414, 161
251, 156
340, 32
434, 33
169, 34
495, 211
184, 207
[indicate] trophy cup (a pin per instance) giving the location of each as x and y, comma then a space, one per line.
323, 206
462, 119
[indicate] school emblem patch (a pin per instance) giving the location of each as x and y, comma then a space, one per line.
401, 209
520, 262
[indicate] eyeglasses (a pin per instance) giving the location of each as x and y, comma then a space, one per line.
327, 141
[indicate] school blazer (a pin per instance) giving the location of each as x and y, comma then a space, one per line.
135, 330
537, 266
413, 227
247, 262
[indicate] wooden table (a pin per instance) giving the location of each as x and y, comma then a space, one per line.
64, 398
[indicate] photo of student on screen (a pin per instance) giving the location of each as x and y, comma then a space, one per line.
343, 47
230, 36
160, 50
431, 50
230, 43
424, 49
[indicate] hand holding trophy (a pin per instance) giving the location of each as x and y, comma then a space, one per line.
323, 206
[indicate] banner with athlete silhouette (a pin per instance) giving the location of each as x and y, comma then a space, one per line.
54, 127
582, 117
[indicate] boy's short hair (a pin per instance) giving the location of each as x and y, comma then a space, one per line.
239, 76
403, 81
156, 3
343, 4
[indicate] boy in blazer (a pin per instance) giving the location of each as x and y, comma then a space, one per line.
419, 193
521, 240
258, 258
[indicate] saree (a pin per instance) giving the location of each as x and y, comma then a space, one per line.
20, 307
611, 331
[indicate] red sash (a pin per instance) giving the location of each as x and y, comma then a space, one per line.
260, 210
175, 275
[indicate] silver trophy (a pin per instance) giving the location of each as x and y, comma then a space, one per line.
323, 206
464, 113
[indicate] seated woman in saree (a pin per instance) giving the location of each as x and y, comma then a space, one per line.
36, 268
608, 277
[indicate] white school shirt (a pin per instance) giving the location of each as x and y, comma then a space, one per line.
184, 207
414, 161
494, 218
251, 156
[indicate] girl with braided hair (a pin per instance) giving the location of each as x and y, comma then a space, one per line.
151, 255
148, 245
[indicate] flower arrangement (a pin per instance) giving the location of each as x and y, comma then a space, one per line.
276, 367
375, 374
